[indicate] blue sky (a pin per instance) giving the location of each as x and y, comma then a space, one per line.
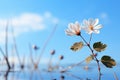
33, 21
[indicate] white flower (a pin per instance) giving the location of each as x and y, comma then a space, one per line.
92, 26
73, 29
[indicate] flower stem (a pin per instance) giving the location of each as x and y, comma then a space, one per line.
90, 38
99, 69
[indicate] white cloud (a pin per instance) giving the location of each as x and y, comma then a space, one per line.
104, 16
26, 22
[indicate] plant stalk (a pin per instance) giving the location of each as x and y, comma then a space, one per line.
88, 45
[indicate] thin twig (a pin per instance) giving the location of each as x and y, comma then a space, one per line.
45, 44
6, 40
2, 52
115, 76
72, 66
6, 74
30, 49
22, 66
35, 64
50, 63
15, 46
6, 47
73, 76
90, 38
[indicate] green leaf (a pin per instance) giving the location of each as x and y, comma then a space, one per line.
89, 59
108, 61
98, 46
76, 46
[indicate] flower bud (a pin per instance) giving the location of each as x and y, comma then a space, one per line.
61, 57
35, 47
62, 77
22, 66
35, 66
52, 52
95, 55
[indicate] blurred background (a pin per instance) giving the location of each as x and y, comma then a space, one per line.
43, 23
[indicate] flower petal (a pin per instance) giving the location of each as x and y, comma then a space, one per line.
68, 32
70, 26
88, 30
73, 29
85, 22
77, 26
90, 21
98, 26
96, 31
96, 22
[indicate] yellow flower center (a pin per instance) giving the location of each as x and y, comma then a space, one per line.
78, 33
91, 27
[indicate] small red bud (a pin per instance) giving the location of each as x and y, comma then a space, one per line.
95, 55
88, 44
99, 68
